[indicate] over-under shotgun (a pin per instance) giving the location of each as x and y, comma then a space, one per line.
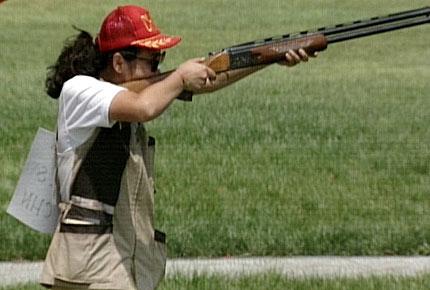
273, 49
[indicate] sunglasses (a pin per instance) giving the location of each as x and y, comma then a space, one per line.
155, 60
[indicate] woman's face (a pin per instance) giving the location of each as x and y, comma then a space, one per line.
145, 65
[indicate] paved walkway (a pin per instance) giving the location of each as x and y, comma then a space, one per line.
298, 267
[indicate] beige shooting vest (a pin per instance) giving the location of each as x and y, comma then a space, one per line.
106, 237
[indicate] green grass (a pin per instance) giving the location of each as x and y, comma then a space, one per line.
275, 282
329, 157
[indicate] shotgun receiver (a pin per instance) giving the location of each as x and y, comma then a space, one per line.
270, 50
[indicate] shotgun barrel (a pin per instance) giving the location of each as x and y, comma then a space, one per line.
252, 53
377, 25
336, 33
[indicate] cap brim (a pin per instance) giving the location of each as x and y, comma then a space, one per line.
157, 42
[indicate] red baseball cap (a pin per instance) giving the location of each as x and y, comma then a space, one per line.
132, 26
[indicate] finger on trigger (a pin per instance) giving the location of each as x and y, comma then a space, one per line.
211, 74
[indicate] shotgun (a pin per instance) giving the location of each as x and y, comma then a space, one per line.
271, 50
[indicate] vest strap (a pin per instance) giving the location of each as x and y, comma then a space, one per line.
91, 204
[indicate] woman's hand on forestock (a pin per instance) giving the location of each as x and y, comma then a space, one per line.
294, 57
195, 74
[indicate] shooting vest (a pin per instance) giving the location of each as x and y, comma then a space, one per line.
106, 238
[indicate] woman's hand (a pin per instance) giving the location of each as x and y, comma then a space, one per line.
195, 74
294, 57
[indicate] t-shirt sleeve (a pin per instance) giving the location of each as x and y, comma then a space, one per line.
86, 102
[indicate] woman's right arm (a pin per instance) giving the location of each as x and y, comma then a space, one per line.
150, 102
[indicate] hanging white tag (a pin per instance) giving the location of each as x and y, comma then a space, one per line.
34, 202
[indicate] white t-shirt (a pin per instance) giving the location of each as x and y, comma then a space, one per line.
83, 106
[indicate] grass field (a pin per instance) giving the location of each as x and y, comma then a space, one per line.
276, 282
326, 158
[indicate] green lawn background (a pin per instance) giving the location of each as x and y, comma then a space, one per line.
326, 158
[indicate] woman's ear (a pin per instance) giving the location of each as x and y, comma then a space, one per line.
118, 63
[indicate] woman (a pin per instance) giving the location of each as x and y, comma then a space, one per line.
105, 238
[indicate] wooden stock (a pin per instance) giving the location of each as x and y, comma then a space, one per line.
275, 52
140, 84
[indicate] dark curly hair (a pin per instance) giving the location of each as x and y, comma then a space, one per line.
80, 56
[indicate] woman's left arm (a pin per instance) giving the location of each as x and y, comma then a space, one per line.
229, 77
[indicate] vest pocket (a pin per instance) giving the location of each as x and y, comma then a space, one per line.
84, 246
83, 258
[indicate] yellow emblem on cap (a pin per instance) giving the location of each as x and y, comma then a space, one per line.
153, 43
147, 21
